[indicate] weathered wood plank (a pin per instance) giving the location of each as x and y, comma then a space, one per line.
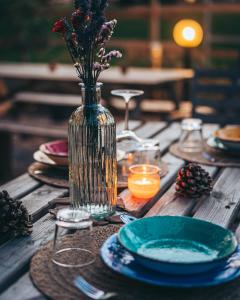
38, 202
149, 129
154, 206
22, 289
172, 204
168, 136
16, 254
139, 207
20, 186
222, 205
132, 125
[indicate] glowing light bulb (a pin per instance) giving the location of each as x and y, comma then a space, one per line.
189, 33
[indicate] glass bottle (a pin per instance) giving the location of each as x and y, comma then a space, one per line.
92, 156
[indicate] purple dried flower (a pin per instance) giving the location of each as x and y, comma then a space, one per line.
101, 52
107, 58
97, 67
106, 66
88, 32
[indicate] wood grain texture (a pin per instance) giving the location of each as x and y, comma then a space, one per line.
20, 186
168, 136
174, 164
141, 207
133, 124
37, 202
149, 129
222, 205
172, 204
22, 289
16, 254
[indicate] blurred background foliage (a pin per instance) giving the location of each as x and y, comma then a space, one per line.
25, 29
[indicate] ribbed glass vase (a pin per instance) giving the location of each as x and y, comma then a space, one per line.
92, 156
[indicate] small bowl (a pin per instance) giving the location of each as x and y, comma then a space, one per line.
56, 151
229, 146
229, 137
177, 245
229, 134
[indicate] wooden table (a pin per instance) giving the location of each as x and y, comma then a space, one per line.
64, 72
220, 208
144, 78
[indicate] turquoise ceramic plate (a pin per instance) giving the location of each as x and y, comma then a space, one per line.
121, 261
177, 245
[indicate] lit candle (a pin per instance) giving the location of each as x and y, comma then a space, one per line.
144, 181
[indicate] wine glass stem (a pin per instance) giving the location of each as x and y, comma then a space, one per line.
126, 127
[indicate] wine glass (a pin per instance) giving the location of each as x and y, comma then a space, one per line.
127, 136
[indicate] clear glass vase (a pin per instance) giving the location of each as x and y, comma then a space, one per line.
92, 156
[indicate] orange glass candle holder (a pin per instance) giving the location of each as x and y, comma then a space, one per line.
143, 181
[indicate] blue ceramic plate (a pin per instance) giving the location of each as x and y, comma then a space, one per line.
177, 245
121, 261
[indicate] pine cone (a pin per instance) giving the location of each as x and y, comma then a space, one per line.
193, 181
14, 217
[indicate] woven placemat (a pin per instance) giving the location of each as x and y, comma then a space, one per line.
210, 157
59, 177
49, 175
57, 282
56, 176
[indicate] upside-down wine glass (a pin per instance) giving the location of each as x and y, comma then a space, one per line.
128, 139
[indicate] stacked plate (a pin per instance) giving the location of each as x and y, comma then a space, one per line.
226, 139
173, 251
55, 154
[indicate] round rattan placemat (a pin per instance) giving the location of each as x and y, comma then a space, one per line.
210, 157
59, 177
57, 282
49, 175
